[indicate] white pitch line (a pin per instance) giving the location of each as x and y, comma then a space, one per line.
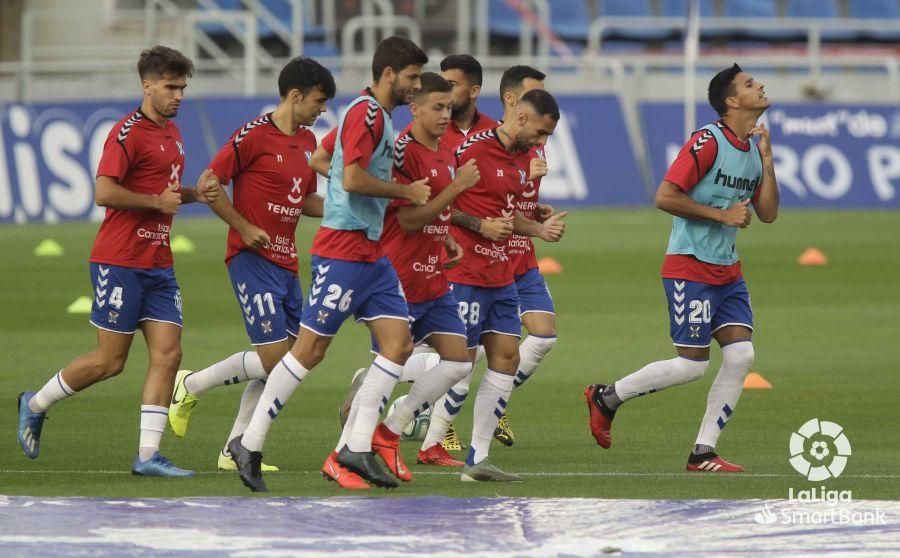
453, 473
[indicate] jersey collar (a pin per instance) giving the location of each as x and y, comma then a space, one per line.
732, 137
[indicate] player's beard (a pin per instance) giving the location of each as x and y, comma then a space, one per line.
461, 109
400, 95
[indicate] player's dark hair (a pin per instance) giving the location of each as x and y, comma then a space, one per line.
433, 83
396, 53
513, 77
721, 86
303, 73
162, 61
466, 64
543, 102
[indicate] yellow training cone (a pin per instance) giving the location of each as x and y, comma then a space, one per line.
48, 247
549, 266
82, 305
812, 256
182, 245
755, 381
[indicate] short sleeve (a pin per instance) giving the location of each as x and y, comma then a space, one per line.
363, 126
117, 156
694, 160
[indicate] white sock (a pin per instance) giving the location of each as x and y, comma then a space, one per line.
737, 358
423, 348
490, 403
348, 426
239, 367
280, 385
445, 410
480, 354
531, 352
373, 395
425, 391
153, 424
660, 375
53, 391
417, 364
249, 399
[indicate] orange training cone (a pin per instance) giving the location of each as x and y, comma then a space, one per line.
549, 266
812, 256
755, 381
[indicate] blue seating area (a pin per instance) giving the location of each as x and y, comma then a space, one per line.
570, 19
313, 34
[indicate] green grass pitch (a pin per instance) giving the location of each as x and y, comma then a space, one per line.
827, 338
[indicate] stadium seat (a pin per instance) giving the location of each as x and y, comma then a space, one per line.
631, 8
679, 8
876, 9
569, 19
759, 9
819, 9
503, 21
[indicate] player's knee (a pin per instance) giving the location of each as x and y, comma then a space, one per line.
539, 347
398, 350
458, 370
168, 358
692, 369
739, 354
108, 367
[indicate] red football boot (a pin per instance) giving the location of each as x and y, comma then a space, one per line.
437, 455
387, 444
601, 419
712, 463
334, 471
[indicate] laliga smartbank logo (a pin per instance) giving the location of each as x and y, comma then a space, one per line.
819, 451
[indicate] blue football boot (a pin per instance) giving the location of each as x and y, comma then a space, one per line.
30, 426
157, 466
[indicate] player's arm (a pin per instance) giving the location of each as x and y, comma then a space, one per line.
496, 229
320, 160
412, 219
206, 191
314, 205
252, 235
766, 200
695, 159
109, 193
357, 180
550, 230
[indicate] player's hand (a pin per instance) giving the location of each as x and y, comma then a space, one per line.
418, 192
553, 228
454, 253
765, 142
537, 169
254, 237
738, 215
497, 229
467, 175
207, 187
544, 212
168, 202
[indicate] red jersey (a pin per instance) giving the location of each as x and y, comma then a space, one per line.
521, 247
417, 257
362, 129
272, 179
144, 158
486, 263
454, 136
694, 160
329, 140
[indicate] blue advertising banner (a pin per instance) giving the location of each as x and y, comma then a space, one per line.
49, 152
826, 155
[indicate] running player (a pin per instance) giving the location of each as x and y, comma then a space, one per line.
139, 183
483, 282
709, 189
414, 240
350, 273
266, 160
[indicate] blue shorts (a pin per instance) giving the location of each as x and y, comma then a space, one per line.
124, 296
488, 310
534, 296
269, 295
439, 316
697, 310
339, 288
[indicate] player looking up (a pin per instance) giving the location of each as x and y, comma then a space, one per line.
709, 189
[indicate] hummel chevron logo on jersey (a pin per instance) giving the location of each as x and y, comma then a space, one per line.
474, 139
127, 125
371, 114
400, 150
705, 137
239, 137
